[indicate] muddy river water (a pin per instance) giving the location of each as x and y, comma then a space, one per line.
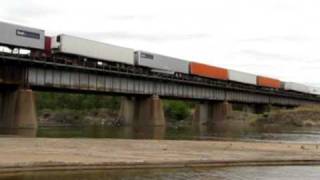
219, 132
234, 173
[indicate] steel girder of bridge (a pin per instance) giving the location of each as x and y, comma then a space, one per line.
59, 79
41, 75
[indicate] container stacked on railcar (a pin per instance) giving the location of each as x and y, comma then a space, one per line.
314, 90
208, 71
291, 86
161, 63
268, 82
17, 36
67, 44
242, 77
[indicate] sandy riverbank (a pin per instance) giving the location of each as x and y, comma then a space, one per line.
19, 154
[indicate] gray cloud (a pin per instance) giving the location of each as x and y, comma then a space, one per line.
129, 17
26, 10
260, 54
143, 37
267, 55
277, 38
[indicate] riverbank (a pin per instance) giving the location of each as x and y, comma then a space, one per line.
30, 154
304, 116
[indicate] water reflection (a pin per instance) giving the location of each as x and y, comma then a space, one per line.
236, 130
19, 132
234, 173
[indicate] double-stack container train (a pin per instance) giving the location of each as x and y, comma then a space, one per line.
75, 48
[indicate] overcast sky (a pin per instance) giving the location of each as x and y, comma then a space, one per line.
277, 38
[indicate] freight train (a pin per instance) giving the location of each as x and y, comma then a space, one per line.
80, 50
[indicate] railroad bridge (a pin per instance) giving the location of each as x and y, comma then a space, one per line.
141, 91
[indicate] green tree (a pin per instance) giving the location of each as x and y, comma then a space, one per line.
177, 110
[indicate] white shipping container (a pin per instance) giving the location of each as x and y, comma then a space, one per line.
21, 36
242, 77
158, 62
92, 49
291, 86
314, 90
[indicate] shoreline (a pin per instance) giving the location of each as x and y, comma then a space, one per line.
47, 154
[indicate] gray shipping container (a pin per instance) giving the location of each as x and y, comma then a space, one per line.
242, 77
160, 62
21, 36
291, 86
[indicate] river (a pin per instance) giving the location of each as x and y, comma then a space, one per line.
234, 131
233, 173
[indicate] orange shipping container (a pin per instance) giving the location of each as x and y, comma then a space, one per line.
268, 82
208, 71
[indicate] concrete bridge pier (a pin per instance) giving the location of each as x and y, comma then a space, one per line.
142, 111
209, 112
18, 109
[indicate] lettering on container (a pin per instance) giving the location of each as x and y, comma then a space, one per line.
147, 56
27, 34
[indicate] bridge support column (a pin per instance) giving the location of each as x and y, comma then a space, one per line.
262, 108
142, 111
18, 110
209, 112
127, 111
201, 114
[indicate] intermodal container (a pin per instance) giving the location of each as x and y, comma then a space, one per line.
208, 71
291, 86
314, 90
92, 49
21, 36
166, 64
268, 82
242, 77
